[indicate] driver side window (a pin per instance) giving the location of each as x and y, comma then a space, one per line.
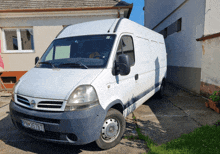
50, 55
126, 46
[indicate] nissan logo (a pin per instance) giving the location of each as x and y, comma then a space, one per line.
32, 103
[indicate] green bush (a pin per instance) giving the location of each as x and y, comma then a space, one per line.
215, 97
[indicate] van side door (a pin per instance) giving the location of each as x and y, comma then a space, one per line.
126, 46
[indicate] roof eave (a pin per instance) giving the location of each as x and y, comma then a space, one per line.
130, 9
68, 9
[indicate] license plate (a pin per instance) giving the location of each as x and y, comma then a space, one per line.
32, 125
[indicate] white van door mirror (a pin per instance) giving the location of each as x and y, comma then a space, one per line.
124, 64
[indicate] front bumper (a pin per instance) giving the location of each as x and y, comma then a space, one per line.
62, 127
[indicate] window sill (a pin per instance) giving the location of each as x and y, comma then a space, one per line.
18, 51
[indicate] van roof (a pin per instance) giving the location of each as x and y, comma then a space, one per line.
107, 26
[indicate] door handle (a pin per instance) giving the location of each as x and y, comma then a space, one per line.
136, 76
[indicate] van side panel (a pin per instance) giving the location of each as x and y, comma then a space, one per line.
145, 64
109, 88
127, 25
150, 57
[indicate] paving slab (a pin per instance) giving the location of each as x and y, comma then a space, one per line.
192, 105
5, 98
4, 101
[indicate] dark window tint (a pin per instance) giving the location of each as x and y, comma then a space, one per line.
27, 39
127, 47
165, 32
179, 25
174, 27
11, 39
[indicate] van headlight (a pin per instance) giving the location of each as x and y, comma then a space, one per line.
13, 93
82, 97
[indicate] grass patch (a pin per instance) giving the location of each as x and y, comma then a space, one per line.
203, 140
149, 142
131, 137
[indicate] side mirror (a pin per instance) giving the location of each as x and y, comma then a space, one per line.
124, 64
36, 60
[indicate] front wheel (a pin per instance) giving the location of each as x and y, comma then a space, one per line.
112, 130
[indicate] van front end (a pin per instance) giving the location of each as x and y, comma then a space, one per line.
80, 126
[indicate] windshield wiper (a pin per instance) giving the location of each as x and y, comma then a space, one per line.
47, 63
75, 64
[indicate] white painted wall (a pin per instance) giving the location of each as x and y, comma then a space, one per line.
1, 43
210, 72
157, 10
182, 47
212, 17
52, 21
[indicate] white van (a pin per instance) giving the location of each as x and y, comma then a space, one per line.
89, 79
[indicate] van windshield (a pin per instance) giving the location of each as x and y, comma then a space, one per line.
78, 52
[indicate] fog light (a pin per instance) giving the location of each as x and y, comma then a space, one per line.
71, 137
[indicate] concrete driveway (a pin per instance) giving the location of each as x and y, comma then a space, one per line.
162, 120
179, 112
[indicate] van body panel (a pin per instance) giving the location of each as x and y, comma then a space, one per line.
110, 89
54, 83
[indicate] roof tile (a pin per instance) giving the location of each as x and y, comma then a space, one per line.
44, 4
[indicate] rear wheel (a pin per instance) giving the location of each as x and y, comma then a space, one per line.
112, 130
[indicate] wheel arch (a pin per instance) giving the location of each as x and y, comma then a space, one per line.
116, 104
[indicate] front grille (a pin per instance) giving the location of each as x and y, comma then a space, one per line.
23, 100
39, 103
50, 104
21, 115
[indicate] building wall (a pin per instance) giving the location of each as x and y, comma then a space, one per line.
212, 16
184, 52
157, 10
210, 72
1, 43
210, 75
50, 21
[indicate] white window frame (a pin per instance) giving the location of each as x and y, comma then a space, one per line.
18, 39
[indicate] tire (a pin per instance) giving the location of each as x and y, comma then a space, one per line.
112, 130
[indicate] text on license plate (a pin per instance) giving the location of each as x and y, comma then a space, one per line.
32, 125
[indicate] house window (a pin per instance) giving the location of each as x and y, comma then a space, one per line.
18, 40
179, 25
174, 27
165, 32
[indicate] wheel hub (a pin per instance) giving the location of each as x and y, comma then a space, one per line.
110, 129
